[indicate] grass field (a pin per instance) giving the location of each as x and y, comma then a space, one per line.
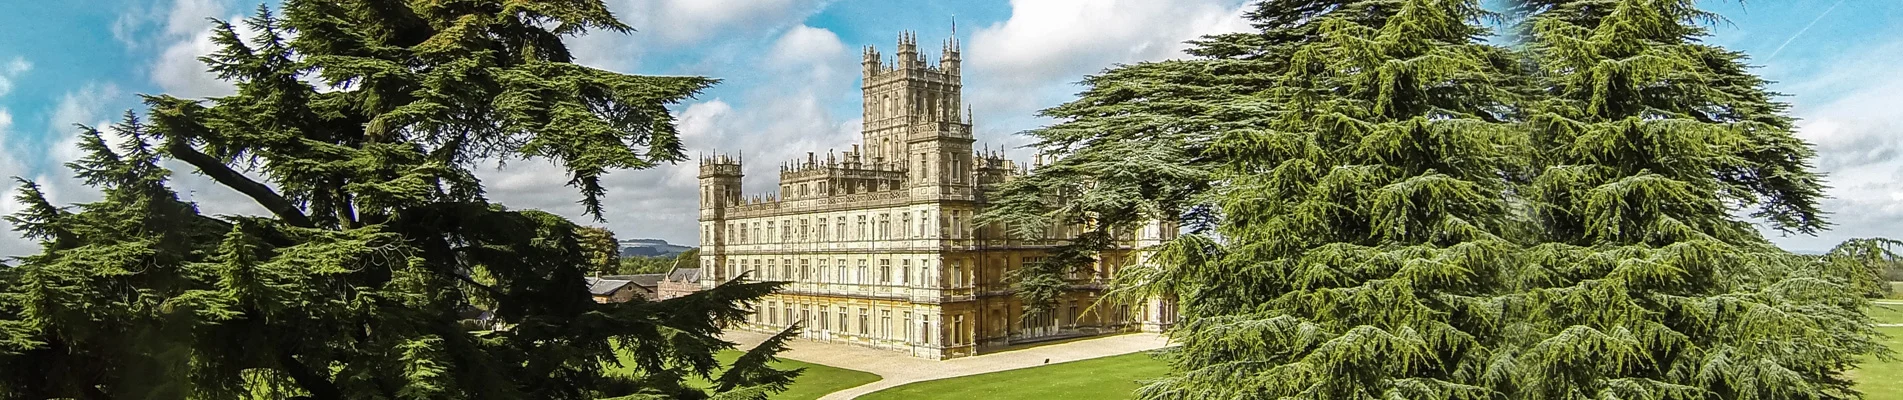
1883, 379
1886, 313
818, 380
1102, 378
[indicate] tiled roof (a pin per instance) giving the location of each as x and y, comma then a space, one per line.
604, 287
643, 280
684, 275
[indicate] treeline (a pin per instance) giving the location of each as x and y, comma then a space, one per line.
657, 265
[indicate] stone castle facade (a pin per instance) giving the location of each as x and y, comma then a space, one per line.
878, 243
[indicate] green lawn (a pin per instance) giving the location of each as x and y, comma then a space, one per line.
1880, 379
818, 380
1883, 379
1886, 313
1101, 378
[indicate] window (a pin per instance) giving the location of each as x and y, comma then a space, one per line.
786, 270
909, 337
822, 229
771, 317
864, 322
958, 330
842, 319
841, 277
804, 225
822, 271
769, 271
956, 233
957, 273
885, 272
958, 174
862, 228
905, 225
861, 278
840, 229
964, 227
805, 273
825, 324
885, 324
905, 272
769, 230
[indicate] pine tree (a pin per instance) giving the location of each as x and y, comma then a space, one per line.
1361, 244
1133, 147
1646, 284
378, 234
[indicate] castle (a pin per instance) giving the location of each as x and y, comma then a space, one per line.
878, 243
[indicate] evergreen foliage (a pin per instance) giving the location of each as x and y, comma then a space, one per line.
1643, 283
1381, 206
1134, 146
1362, 243
379, 233
601, 249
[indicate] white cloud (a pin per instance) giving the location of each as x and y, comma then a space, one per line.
711, 27
686, 21
84, 106
185, 36
784, 118
1032, 60
1060, 40
1855, 129
10, 166
179, 73
11, 243
806, 45
11, 70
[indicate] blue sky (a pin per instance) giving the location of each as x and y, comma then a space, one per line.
790, 86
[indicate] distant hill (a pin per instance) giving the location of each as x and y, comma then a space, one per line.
651, 248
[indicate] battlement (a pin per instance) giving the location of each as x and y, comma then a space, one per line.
908, 61
719, 165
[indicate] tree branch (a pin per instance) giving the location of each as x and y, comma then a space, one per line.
319, 386
218, 171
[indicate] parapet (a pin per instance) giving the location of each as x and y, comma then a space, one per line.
719, 165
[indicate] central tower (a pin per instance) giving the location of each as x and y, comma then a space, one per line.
912, 118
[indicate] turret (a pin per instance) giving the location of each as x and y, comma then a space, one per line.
719, 181
949, 63
908, 51
719, 190
871, 62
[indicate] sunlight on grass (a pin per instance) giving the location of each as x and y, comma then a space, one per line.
816, 381
1101, 378
1886, 313
1882, 379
